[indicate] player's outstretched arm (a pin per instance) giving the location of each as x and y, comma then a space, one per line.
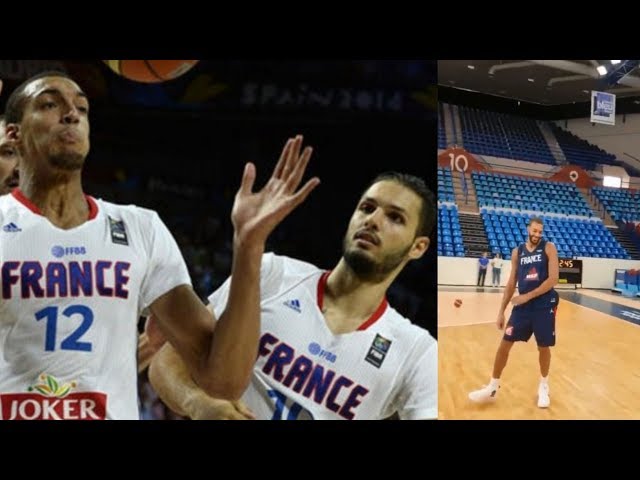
254, 217
221, 363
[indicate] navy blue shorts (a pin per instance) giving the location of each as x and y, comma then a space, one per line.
540, 322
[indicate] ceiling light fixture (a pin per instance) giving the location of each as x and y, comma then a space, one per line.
602, 70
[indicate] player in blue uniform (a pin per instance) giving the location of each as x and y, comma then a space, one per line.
534, 266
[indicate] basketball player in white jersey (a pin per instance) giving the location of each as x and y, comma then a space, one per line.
150, 341
331, 347
76, 273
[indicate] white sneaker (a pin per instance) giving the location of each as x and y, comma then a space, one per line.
484, 395
543, 396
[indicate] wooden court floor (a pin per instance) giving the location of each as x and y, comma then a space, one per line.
595, 365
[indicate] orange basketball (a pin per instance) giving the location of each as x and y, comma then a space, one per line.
151, 71
457, 303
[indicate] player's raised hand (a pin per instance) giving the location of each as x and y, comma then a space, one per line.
256, 214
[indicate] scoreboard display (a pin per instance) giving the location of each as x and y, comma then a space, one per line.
570, 271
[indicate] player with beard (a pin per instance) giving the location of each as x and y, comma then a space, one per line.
534, 266
331, 347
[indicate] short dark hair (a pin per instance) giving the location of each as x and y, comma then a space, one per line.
536, 220
17, 100
419, 187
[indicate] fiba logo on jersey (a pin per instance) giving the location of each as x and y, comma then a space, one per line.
378, 350
381, 343
118, 232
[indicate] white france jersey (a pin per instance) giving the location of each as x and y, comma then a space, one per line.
70, 301
304, 371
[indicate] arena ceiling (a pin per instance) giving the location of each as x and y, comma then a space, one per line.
543, 82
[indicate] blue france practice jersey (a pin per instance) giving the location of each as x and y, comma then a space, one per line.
533, 270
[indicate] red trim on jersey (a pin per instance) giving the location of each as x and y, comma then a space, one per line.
93, 207
322, 283
376, 315
18, 195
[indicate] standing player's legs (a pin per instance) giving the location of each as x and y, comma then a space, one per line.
502, 356
544, 329
544, 357
519, 329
